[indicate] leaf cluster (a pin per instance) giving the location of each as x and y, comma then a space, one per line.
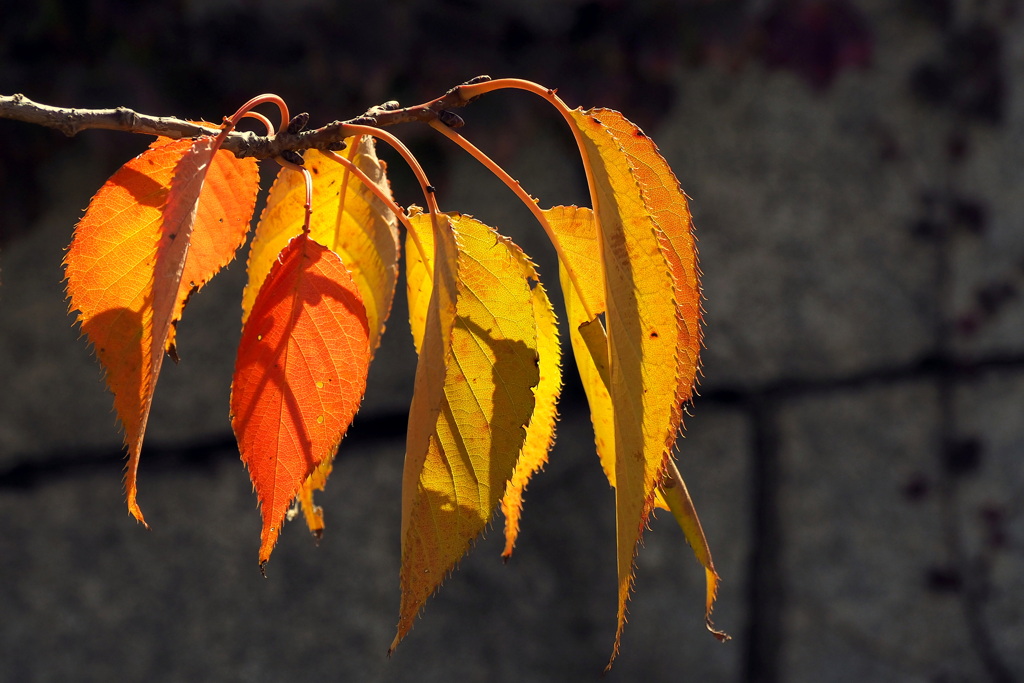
323, 268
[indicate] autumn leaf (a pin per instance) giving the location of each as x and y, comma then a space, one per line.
471, 308
540, 432
347, 219
350, 221
125, 264
299, 377
677, 498
643, 329
581, 253
578, 237
222, 221
670, 210
313, 513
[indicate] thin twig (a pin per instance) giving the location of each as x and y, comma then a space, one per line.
242, 144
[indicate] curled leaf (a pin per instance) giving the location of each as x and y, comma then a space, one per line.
645, 320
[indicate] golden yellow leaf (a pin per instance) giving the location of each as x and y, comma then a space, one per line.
540, 432
473, 398
578, 236
641, 322
313, 513
677, 498
670, 210
347, 219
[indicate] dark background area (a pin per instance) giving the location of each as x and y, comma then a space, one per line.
856, 173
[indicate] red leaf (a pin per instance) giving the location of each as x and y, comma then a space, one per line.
299, 377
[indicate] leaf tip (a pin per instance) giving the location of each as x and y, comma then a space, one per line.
712, 593
720, 636
134, 510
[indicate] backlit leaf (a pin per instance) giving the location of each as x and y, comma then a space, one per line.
577, 234
222, 222
540, 432
347, 219
642, 329
670, 210
671, 213
124, 272
350, 221
299, 377
576, 230
475, 379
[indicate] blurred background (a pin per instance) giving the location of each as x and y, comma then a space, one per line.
856, 170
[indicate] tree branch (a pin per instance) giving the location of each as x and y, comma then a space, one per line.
241, 144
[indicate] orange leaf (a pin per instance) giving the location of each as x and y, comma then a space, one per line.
109, 270
299, 377
124, 269
222, 222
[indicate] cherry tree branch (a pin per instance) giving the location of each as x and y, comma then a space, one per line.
242, 144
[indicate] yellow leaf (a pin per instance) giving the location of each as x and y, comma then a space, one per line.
577, 233
347, 219
677, 497
670, 210
541, 430
540, 433
641, 324
313, 513
667, 203
419, 276
473, 396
